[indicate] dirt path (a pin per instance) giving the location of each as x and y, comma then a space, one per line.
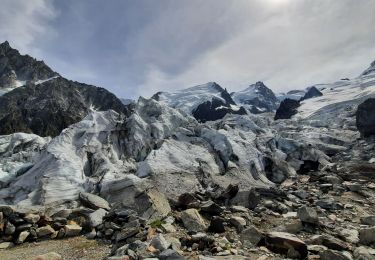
70, 249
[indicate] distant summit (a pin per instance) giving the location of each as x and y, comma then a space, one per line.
257, 98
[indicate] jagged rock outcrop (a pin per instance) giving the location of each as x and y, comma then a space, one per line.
311, 93
16, 68
257, 98
365, 118
47, 108
287, 109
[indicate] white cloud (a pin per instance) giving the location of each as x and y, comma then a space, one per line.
21, 22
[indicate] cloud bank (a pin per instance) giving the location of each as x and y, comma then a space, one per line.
141, 47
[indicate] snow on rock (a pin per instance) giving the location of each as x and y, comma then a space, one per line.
257, 98
207, 102
339, 102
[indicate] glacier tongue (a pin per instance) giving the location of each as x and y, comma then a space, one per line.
156, 147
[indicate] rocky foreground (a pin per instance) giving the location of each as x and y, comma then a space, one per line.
322, 214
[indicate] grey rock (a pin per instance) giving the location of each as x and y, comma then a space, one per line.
252, 235
9, 228
192, 220
45, 231
160, 243
329, 203
170, 254
285, 243
364, 253
367, 235
93, 201
22, 237
211, 207
32, 218
332, 254
125, 234
6, 245
368, 220
308, 215
72, 230
96, 218
238, 222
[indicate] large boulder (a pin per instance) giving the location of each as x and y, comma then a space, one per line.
93, 201
285, 243
365, 118
193, 221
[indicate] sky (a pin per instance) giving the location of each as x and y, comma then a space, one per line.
140, 47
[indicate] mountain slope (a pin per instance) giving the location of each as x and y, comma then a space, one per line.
37, 100
16, 69
339, 101
257, 98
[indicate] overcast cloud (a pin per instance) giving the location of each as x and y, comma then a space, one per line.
140, 47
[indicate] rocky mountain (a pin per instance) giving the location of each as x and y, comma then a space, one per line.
207, 102
46, 103
17, 70
257, 98
172, 177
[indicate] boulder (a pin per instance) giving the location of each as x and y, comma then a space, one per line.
365, 118
160, 243
72, 230
22, 237
149, 204
308, 215
31, 218
287, 244
96, 218
367, 235
217, 225
368, 220
364, 253
45, 231
252, 235
238, 222
93, 201
193, 221
6, 245
336, 255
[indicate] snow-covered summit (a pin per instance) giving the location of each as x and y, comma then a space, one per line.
257, 98
189, 99
205, 102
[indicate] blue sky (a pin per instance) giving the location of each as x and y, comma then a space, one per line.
140, 47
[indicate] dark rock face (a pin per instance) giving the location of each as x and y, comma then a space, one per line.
365, 118
287, 109
48, 108
214, 110
311, 93
14, 66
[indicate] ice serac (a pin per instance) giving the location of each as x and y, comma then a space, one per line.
257, 98
207, 102
16, 69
